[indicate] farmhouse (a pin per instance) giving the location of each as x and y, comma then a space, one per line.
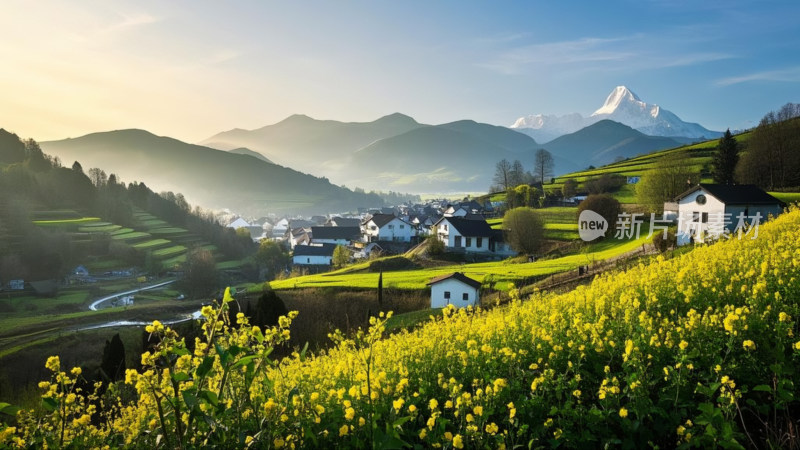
710, 210
335, 235
313, 255
387, 227
455, 289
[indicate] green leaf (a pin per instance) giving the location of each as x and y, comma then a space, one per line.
210, 397
180, 376
7, 408
190, 399
205, 366
49, 403
303, 352
762, 388
244, 361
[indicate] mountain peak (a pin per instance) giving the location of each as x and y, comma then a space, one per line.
396, 117
618, 97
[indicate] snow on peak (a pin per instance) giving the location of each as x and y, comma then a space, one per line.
622, 106
619, 97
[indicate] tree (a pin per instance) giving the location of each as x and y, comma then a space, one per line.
671, 175
605, 205
725, 159
570, 188
517, 175
770, 159
435, 246
524, 230
98, 177
543, 165
199, 273
112, 366
271, 255
502, 175
269, 308
341, 256
604, 183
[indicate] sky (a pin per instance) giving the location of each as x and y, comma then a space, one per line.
191, 69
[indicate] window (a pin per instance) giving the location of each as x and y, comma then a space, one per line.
308, 260
447, 294
402, 227
705, 217
458, 241
391, 227
469, 242
695, 216
465, 296
479, 244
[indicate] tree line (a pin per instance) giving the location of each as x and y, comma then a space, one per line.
31, 180
511, 174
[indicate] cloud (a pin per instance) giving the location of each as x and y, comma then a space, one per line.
791, 74
130, 21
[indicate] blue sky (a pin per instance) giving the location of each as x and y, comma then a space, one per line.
189, 69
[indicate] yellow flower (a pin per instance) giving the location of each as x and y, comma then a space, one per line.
457, 441
478, 410
349, 413
557, 434
623, 412
278, 443
398, 404
749, 345
412, 408
448, 435
577, 393
783, 317
433, 404
683, 345
344, 430
53, 363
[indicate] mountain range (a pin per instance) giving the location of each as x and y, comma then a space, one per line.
622, 106
208, 177
266, 169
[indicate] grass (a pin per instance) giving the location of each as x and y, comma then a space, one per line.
96, 228
130, 236
153, 243
410, 319
786, 197
65, 222
490, 272
169, 251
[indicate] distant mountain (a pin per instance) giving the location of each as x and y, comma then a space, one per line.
209, 177
452, 157
247, 151
623, 106
605, 141
310, 145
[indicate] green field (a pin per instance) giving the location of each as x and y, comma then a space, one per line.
151, 244
68, 223
787, 197
130, 236
169, 251
502, 272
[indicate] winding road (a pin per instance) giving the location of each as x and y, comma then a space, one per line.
95, 304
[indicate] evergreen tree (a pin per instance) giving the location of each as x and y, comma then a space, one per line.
268, 309
725, 159
113, 364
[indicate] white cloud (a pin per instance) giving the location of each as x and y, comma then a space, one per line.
791, 74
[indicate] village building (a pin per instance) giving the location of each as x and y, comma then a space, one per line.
455, 289
313, 255
387, 227
708, 211
335, 235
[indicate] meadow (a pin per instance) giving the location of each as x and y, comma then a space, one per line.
695, 351
497, 274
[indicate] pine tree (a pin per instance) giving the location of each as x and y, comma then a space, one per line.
725, 159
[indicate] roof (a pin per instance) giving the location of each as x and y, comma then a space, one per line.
735, 194
238, 223
335, 232
469, 227
346, 221
314, 250
458, 276
381, 219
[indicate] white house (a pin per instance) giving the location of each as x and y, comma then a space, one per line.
387, 227
455, 289
708, 210
280, 228
298, 236
238, 223
313, 255
335, 235
464, 234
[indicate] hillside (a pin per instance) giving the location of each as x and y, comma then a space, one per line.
208, 177
661, 354
312, 145
247, 151
603, 142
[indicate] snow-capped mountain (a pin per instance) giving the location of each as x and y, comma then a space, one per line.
622, 106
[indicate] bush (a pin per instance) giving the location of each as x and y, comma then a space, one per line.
605, 205
524, 230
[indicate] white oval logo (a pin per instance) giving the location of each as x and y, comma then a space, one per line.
591, 225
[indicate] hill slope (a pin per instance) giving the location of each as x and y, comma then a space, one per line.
604, 141
209, 177
310, 145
